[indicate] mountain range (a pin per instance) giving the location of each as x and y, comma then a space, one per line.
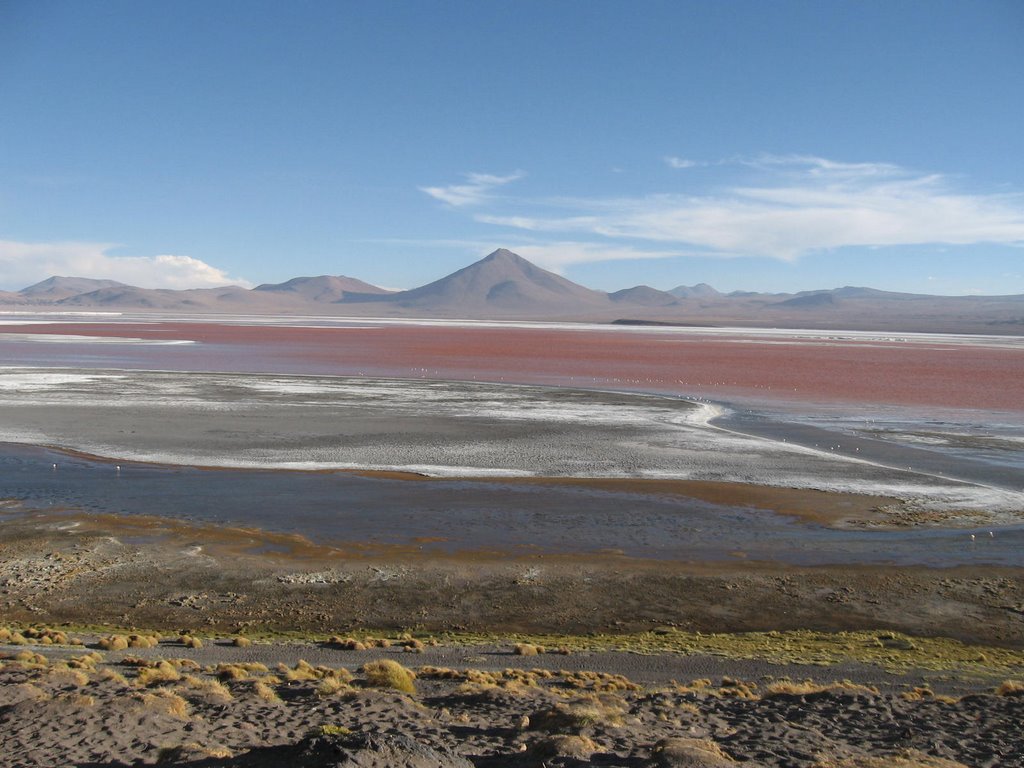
505, 286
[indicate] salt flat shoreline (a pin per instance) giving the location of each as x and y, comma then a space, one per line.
465, 429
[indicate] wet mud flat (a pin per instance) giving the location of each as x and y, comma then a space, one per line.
454, 430
134, 570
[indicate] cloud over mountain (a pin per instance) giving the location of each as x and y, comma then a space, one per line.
24, 263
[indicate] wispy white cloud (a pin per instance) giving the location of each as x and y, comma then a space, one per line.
475, 191
678, 162
559, 255
23, 264
798, 205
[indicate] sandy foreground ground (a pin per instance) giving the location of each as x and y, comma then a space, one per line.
459, 706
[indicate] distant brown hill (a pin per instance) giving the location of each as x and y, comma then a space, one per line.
57, 288
323, 288
505, 286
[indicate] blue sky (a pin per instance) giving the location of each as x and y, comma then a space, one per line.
757, 146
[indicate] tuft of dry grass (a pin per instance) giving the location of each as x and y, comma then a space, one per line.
603, 709
527, 649
113, 643
681, 751
190, 642
46, 636
573, 746
1010, 688
76, 700
412, 645
239, 671
161, 672
302, 670
106, 674
206, 687
599, 681
809, 687
347, 643
64, 675
331, 686
191, 752
32, 691
86, 661
241, 642
168, 702
389, 674
265, 692
31, 659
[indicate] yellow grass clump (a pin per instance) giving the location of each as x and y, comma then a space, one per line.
599, 681
167, 702
681, 751
161, 672
389, 674
65, 675
76, 700
347, 643
206, 687
106, 674
574, 746
32, 691
191, 752
330, 686
239, 670
86, 661
190, 642
46, 636
31, 659
588, 711
1010, 688
809, 687
143, 641
265, 692
113, 643
302, 670
527, 649
241, 642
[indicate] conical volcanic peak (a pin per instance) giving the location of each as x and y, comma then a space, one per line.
502, 281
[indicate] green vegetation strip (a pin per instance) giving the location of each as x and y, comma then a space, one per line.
890, 651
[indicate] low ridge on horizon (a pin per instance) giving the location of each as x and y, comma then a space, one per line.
503, 286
